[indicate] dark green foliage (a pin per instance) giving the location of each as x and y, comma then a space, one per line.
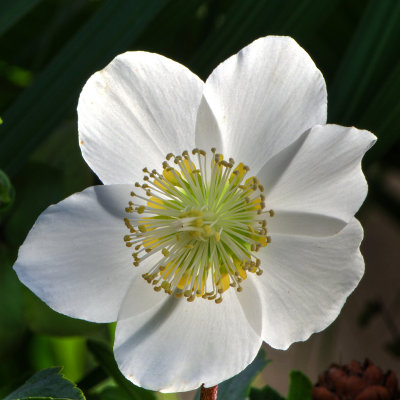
13, 10
93, 46
48, 49
266, 393
47, 383
7, 192
300, 386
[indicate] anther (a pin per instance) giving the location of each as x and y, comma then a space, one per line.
184, 221
142, 228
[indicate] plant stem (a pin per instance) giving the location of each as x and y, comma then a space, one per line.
209, 393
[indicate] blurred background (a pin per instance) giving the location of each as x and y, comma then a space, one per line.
49, 48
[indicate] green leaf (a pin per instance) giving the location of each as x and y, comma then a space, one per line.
300, 386
110, 31
47, 383
93, 378
7, 192
44, 398
113, 393
13, 10
238, 387
105, 357
266, 393
12, 325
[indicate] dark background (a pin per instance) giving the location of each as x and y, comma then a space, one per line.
49, 48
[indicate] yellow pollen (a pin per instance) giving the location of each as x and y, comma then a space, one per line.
165, 252
202, 222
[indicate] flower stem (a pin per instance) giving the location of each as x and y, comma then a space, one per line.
209, 393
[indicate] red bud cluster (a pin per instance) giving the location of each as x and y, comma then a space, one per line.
356, 381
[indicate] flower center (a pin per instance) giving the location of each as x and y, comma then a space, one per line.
204, 222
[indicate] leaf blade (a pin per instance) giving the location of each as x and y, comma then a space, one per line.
300, 386
48, 382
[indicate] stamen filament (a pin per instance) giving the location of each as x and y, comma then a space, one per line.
203, 225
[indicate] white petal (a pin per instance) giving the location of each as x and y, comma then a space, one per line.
207, 131
306, 281
264, 97
140, 296
316, 185
135, 111
75, 259
178, 346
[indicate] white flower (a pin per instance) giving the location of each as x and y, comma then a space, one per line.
197, 228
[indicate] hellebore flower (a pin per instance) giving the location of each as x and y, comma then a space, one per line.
226, 217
